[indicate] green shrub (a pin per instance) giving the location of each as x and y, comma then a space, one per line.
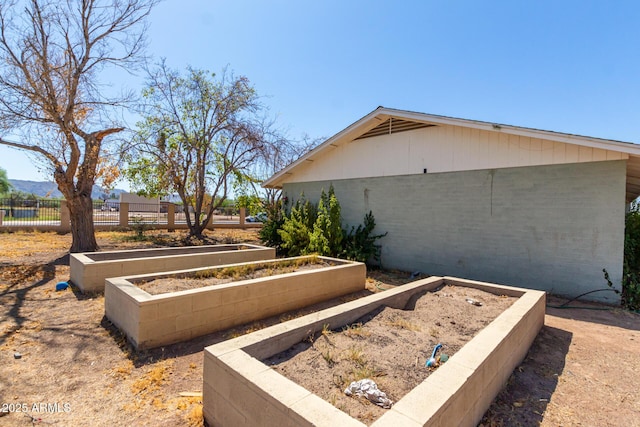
360, 243
269, 232
326, 238
308, 229
630, 294
297, 228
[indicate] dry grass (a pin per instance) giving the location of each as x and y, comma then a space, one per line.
153, 379
356, 330
401, 323
357, 356
240, 271
70, 354
25, 244
123, 370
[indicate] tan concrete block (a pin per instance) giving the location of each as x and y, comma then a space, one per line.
148, 311
436, 394
279, 387
156, 328
175, 305
235, 294
218, 411
393, 418
462, 389
243, 364
195, 319
246, 399
216, 350
318, 412
211, 299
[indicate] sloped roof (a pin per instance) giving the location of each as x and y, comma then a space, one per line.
388, 120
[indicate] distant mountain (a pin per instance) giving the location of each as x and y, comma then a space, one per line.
50, 189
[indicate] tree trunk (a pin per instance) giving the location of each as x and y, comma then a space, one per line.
82, 229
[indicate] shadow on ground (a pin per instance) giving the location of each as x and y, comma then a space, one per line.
593, 312
14, 294
195, 345
529, 389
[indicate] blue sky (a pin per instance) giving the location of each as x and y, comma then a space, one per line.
566, 66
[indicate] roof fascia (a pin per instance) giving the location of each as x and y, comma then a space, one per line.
351, 132
381, 114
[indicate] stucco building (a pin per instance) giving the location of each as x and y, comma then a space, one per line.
486, 201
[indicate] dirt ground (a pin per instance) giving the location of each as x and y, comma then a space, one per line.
63, 363
219, 276
390, 346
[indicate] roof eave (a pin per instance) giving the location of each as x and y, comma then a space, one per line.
357, 128
381, 114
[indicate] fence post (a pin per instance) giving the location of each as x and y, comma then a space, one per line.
243, 214
65, 217
171, 217
124, 214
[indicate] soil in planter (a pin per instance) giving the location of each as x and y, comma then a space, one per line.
389, 346
219, 276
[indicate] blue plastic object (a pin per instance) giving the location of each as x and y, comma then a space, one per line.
432, 361
61, 286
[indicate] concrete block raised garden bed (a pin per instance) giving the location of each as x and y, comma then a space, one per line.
240, 389
90, 269
202, 308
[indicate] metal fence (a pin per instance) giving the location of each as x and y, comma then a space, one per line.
47, 213
29, 212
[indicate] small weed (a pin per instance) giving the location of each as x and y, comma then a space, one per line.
339, 381
326, 329
235, 333
356, 355
328, 357
310, 338
333, 399
286, 317
434, 332
367, 417
363, 372
139, 226
237, 271
404, 324
356, 330
326, 334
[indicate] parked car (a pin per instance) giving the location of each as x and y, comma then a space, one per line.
110, 207
259, 217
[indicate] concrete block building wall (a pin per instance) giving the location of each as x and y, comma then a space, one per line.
553, 228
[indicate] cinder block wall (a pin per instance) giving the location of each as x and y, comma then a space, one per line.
552, 228
152, 321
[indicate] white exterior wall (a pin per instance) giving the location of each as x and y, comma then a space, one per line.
442, 148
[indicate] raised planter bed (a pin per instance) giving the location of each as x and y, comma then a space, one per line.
90, 269
155, 320
239, 389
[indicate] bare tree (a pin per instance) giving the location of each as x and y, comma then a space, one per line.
276, 158
199, 138
52, 52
